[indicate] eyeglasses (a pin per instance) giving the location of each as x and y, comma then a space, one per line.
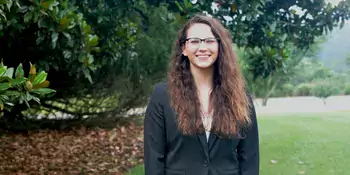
196, 42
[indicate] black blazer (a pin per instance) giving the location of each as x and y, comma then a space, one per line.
168, 152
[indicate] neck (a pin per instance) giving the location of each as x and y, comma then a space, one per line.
203, 78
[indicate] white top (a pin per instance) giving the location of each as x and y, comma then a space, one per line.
207, 125
207, 133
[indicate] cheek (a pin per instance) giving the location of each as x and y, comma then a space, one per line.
191, 52
214, 50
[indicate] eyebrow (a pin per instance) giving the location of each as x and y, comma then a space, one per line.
200, 37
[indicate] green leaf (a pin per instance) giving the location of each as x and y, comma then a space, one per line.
36, 99
15, 82
28, 97
12, 93
70, 42
42, 23
2, 13
1, 105
41, 77
2, 70
187, 4
9, 4
86, 27
4, 86
9, 73
87, 74
54, 37
4, 98
28, 16
179, 6
43, 91
49, 4
284, 37
3, 2
19, 71
9, 104
67, 54
5, 79
24, 98
39, 40
273, 26
93, 40
64, 22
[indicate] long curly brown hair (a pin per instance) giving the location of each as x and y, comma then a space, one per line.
228, 97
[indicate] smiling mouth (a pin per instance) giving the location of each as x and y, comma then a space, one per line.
203, 56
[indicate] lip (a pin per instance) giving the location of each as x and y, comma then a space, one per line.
203, 55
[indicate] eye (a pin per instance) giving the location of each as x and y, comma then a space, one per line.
210, 41
195, 41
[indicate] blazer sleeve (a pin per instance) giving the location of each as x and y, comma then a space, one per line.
154, 134
248, 147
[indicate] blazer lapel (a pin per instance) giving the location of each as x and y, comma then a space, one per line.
203, 142
212, 140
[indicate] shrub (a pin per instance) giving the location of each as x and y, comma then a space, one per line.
15, 88
347, 89
323, 90
303, 89
287, 89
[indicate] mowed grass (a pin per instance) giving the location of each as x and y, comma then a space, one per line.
310, 144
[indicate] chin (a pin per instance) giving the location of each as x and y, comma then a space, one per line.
204, 65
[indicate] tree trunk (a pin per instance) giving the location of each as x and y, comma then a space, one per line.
264, 102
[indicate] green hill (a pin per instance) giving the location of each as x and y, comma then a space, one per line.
336, 49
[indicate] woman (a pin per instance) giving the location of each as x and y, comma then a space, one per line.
201, 121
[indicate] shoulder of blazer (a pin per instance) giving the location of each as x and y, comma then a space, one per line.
160, 92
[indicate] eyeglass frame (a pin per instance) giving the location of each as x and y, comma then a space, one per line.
203, 40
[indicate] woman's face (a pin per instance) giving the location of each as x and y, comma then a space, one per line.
201, 46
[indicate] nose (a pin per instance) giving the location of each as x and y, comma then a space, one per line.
202, 46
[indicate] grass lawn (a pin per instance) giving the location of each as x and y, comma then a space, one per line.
310, 144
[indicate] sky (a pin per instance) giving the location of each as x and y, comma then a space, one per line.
335, 2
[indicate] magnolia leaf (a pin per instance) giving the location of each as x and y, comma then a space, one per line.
28, 16
4, 86
43, 91
12, 93
41, 77
2, 70
1, 105
15, 82
9, 73
32, 72
42, 85
54, 38
19, 71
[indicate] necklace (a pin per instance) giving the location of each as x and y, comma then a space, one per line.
206, 116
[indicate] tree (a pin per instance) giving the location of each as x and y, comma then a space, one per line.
323, 90
102, 56
266, 87
268, 26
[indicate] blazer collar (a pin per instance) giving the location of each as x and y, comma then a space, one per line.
207, 146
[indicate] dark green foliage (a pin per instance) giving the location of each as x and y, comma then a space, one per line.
265, 27
102, 57
303, 89
16, 89
347, 89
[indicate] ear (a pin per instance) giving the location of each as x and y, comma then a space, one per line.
184, 50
